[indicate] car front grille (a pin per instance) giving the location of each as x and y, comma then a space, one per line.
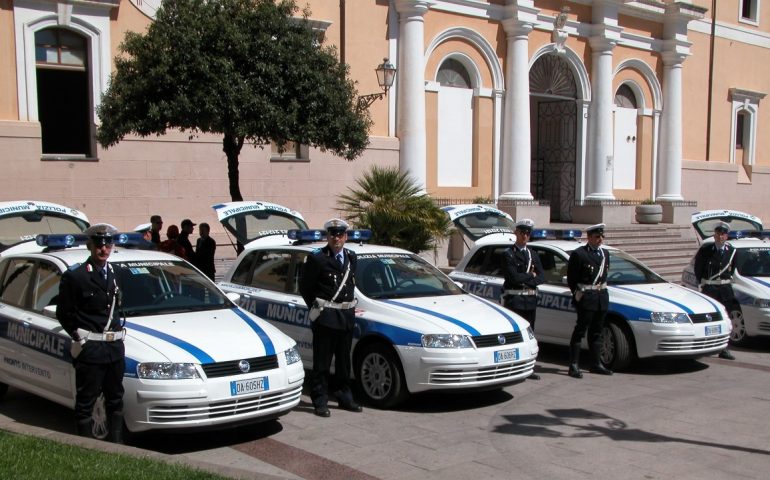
230, 368
692, 344
228, 408
484, 341
705, 317
466, 376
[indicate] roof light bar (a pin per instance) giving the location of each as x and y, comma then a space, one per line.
74, 240
551, 234
738, 234
318, 235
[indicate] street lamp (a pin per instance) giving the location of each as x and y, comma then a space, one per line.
386, 73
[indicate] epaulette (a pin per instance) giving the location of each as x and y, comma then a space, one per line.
74, 266
315, 251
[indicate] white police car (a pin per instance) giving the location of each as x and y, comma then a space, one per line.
22, 220
648, 317
193, 358
415, 329
751, 282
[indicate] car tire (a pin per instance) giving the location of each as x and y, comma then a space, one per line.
380, 376
616, 347
738, 333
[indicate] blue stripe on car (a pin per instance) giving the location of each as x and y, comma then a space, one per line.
447, 318
501, 311
664, 299
761, 282
396, 335
130, 368
196, 352
269, 347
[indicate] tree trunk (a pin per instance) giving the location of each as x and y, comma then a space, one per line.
232, 145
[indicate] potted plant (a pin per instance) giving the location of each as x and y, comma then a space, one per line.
649, 212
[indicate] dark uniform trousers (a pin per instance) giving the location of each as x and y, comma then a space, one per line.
321, 277
85, 302
585, 268
710, 264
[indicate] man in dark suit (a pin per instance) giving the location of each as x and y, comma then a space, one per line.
184, 240
205, 249
88, 306
523, 272
714, 268
587, 279
327, 284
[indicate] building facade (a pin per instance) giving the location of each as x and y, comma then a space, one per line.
561, 111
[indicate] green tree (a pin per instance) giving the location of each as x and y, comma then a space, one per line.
392, 206
241, 68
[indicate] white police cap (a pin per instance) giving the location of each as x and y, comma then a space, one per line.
101, 230
525, 224
336, 224
595, 229
722, 226
143, 227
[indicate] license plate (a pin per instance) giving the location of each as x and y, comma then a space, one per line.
506, 355
713, 329
249, 385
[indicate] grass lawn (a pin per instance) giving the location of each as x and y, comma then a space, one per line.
26, 457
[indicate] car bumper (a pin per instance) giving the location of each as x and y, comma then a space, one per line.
681, 340
467, 368
756, 320
194, 404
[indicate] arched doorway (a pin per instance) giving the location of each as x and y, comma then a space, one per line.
553, 95
455, 125
625, 155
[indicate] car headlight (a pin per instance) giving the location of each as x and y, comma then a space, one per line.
669, 317
762, 302
167, 371
446, 340
292, 355
531, 333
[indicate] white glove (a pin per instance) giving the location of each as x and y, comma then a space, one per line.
76, 347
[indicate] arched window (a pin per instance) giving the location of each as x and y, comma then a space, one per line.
61, 59
455, 125
624, 174
625, 97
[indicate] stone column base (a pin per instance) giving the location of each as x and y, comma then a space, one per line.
540, 214
679, 213
599, 213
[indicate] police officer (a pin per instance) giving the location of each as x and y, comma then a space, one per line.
327, 285
587, 279
714, 268
88, 306
523, 273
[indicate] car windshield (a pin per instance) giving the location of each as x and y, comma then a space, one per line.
24, 227
396, 275
625, 270
753, 262
159, 287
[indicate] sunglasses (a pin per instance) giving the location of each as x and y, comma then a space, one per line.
103, 242
336, 233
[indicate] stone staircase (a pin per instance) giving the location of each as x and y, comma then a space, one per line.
665, 248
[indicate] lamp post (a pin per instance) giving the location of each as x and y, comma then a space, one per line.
386, 74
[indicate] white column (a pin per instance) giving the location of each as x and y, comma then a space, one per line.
670, 164
410, 126
516, 158
600, 146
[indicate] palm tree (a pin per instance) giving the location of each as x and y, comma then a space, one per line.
395, 209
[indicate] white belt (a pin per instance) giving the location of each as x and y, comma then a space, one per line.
525, 291
101, 337
598, 286
339, 306
721, 281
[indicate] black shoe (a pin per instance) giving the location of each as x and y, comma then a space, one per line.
322, 411
534, 376
574, 372
726, 354
351, 406
601, 369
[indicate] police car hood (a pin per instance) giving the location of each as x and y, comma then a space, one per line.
252, 220
456, 314
205, 337
705, 221
478, 221
22, 220
662, 297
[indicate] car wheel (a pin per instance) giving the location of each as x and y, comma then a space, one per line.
616, 347
380, 376
99, 421
738, 333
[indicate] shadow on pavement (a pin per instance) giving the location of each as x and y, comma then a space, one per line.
581, 423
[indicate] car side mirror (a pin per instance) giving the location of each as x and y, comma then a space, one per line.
50, 311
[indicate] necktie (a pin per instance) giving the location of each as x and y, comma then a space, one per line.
339, 258
104, 274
